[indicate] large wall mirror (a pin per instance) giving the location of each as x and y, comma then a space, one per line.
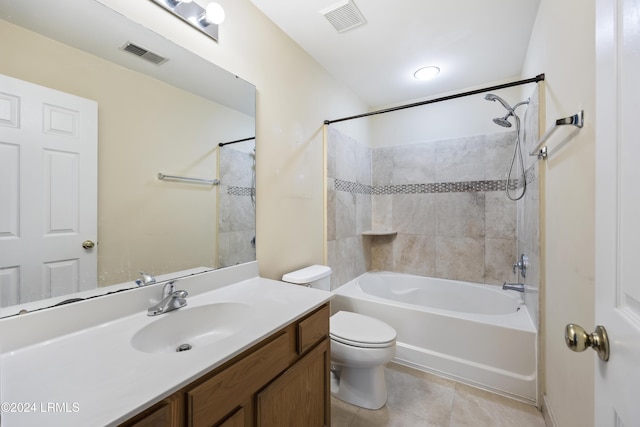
150, 117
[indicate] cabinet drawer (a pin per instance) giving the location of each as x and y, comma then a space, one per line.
218, 396
312, 329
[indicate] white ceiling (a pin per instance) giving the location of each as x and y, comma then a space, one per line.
474, 42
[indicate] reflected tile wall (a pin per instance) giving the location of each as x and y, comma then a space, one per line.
236, 222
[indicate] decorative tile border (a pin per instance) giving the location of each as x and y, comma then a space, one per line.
442, 187
352, 187
240, 191
530, 174
438, 187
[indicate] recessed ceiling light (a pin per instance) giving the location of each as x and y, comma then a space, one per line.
426, 73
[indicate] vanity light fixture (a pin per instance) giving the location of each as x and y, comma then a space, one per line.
206, 19
426, 73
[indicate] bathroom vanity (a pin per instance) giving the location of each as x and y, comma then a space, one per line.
259, 356
281, 381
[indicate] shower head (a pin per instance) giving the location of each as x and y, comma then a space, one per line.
492, 97
503, 121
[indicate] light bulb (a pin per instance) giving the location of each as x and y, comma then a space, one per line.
214, 13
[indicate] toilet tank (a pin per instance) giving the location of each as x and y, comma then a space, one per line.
315, 276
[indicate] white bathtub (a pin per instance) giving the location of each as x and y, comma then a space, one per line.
476, 334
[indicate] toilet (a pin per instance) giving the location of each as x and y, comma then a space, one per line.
360, 346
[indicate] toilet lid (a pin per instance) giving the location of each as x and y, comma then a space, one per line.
360, 330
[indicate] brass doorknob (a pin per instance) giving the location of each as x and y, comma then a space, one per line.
578, 339
88, 244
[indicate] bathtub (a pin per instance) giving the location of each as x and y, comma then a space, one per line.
475, 334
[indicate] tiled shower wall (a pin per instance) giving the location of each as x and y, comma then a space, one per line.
237, 211
528, 211
348, 207
444, 199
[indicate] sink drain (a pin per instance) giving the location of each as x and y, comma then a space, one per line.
183, 347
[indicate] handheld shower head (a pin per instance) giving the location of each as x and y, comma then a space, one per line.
503, 121
492, 97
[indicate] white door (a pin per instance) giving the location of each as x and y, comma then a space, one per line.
48, 192
618, 210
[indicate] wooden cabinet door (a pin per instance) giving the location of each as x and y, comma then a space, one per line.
166, 413
300, 396
211, 401
238, 419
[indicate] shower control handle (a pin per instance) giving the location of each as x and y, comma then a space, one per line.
577, 339
521, 265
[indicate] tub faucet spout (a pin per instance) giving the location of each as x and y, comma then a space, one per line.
519, 287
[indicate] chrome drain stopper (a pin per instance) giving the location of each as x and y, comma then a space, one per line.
183, 347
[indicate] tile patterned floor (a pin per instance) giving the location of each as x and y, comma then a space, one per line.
417, 399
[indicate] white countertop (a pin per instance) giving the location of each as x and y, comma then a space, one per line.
94, 377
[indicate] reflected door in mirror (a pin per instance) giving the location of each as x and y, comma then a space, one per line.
48, 192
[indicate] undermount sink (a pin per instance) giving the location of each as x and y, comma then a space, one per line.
193, 328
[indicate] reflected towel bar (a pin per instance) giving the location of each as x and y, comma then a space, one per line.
222, 144
576, 120
162, 176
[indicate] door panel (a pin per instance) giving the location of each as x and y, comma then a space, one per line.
618, 210
48, 192
9, 190
61, 202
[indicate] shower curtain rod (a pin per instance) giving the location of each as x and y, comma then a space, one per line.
222, 144
535, 79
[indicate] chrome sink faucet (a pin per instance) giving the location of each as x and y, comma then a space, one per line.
171, 300
147, 279
513, 287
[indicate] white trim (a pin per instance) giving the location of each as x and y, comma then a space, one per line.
549, 418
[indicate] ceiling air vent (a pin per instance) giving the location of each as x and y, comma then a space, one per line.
344, 16
144, 53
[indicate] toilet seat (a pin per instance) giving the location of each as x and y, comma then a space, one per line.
358, 330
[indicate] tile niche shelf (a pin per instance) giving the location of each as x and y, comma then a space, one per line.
379, 233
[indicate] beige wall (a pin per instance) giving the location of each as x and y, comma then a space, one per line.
563, 47
143, 223
295, 96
